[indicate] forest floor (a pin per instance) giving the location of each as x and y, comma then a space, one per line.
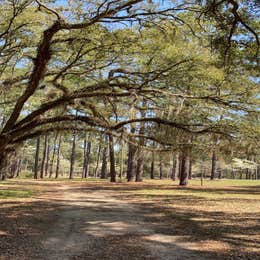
149, 220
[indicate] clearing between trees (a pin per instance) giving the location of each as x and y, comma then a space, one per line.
148, 220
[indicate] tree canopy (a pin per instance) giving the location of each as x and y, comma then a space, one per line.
176, 71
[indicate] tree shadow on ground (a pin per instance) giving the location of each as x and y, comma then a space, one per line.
86, 227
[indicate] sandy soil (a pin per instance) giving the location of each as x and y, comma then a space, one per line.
78, 221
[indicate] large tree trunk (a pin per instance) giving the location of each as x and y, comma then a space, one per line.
184, 172
103, 174
44, 156
3, 165
53, 154
37, 152
57, 172
176, 167
72, 157
152, 167
98, 159
112, 159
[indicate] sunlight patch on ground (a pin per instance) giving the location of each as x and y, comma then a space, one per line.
101, 228
3, 233
183, 242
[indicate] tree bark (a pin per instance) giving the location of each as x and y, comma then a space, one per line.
57, 172
3, 165
139, 166
220, 173
176, 167
98, 158
13, 165
84, 156
19, 167
140, 152
37, 152
121, 161
53, 154
161, 170
87, 148
184, 172
44, 156
152, 167
190, 168
73, 156
103, 174
213, 166
47, 158
130, 161
112, 159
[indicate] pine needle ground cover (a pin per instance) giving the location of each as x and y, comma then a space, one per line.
219, 220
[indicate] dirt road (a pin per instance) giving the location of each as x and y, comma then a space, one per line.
85, 222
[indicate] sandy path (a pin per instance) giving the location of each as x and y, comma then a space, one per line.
80, 223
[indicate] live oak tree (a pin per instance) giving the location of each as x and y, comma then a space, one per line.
82, 55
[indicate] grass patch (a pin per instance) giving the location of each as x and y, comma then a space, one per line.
7, 194
200, 193
208, 183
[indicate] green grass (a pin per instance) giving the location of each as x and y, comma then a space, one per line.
11, 193
217, 189
209, 183
211, 194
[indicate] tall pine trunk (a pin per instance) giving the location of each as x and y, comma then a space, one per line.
184, 172
152, 167
213, 165
160, 170
98, 159
140, 152
112, 159
87, 148
57, 172
53, 154
176, 166
37, 153
44, 156
131, 159
84, 156
47, 157
73, 156
103, 174
190, 168
140, 165
121, 160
